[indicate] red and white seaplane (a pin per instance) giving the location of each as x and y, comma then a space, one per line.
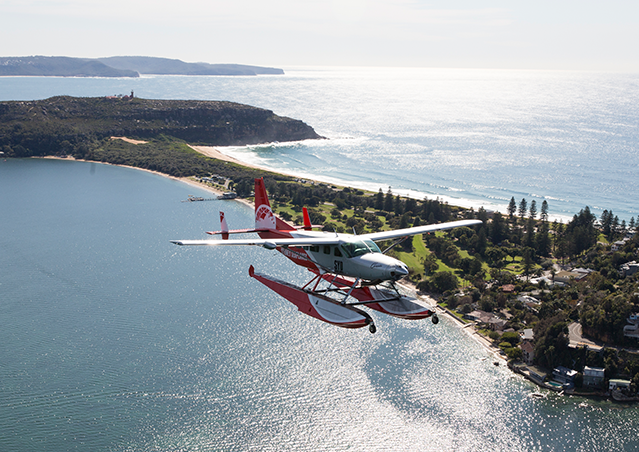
350, 270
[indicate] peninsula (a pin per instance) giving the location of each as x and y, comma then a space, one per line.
120, 66
83, 127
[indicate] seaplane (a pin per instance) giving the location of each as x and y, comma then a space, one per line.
350, 270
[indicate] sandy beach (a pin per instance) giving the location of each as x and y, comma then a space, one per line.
212, 152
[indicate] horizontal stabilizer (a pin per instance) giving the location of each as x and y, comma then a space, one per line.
267, 243
236, 231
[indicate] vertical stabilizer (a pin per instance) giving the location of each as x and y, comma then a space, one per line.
264, 216
225, 227
307, 219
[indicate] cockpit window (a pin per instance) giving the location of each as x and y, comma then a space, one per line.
372, 246
357, 248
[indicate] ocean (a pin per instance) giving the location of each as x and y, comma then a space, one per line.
470, 137
113, 339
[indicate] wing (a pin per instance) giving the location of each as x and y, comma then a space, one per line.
266, 243
328, 239
397, 233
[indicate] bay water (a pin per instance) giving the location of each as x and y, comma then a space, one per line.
114, 339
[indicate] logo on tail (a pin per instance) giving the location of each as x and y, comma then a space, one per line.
264, 218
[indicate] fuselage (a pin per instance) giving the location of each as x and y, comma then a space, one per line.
350, 257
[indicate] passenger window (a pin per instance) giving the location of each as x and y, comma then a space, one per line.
337, 252
327, 249
314, 248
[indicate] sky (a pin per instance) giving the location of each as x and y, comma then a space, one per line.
554, 35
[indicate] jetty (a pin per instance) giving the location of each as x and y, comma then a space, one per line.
192, 198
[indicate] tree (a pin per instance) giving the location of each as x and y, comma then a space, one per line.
523, 207
511, 337
533, 209
544, 211
410, 205
512, 208
430, 264
388, 201
551, 342
398, 205
443, 281
497, 233
530, 233
528, 256
580, 233
379, 200
606, 223
543, 240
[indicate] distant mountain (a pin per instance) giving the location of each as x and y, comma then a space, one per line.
59, 67
167, 66
121, 66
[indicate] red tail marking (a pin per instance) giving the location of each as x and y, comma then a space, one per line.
307, 219
225, 227
264, 217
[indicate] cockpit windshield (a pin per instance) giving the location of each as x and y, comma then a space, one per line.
359, 247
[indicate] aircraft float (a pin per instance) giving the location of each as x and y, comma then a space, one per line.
350, 270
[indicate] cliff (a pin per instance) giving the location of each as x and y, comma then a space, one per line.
61, 124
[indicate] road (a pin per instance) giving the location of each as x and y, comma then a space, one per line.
577, 340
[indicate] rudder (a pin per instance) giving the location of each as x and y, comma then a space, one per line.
264, 216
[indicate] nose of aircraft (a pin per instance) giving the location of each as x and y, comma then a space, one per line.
397, 272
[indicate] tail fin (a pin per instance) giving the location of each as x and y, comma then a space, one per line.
264, 217
307, 219
225, 227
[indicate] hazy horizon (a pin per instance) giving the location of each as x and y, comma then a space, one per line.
495, 34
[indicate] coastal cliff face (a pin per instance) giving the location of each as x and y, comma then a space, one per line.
51, 126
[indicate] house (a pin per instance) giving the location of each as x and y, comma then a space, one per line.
629, 268
618, 384
531, 303
564, 376
618, 245
528, 352
542, 279
490, 320
479, 316
582, 272
527, 335
508, 288
593, 376
565, 277
536, 374
632, 330
497, 324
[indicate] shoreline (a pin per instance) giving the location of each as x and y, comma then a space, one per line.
211, 151
469, 329
214, 152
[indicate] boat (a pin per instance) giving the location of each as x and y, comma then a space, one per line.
538, 395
